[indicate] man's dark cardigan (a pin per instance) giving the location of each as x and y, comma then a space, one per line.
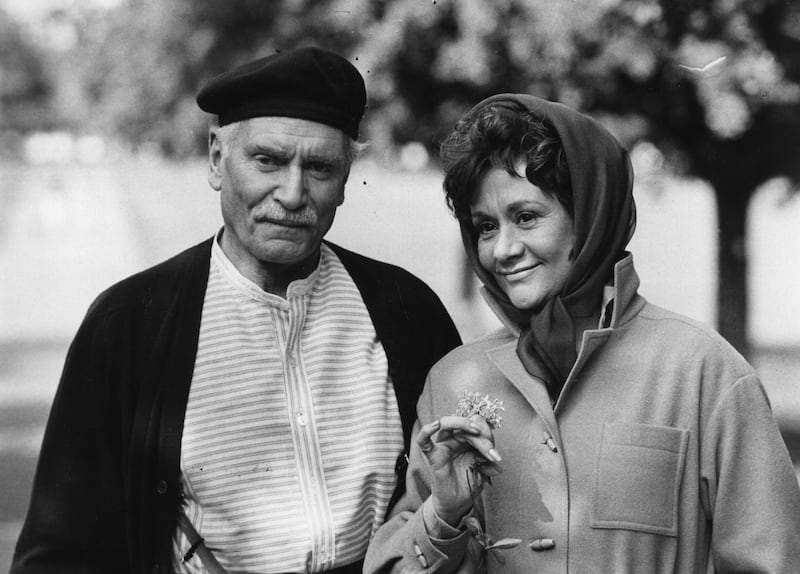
105, 496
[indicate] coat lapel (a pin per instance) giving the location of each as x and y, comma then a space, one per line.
531, 388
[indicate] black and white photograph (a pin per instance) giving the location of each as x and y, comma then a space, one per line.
400, 286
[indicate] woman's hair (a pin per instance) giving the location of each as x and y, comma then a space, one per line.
502, 135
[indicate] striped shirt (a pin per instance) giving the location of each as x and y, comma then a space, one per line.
292, 428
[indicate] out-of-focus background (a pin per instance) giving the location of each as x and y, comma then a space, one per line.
102, 170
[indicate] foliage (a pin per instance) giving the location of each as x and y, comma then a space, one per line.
713, 84
141, 64
24, 81
635, 62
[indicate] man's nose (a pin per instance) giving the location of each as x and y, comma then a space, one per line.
507, 245
291, 192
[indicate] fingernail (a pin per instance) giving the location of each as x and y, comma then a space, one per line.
494, 455
436, 425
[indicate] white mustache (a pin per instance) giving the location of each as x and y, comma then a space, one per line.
276, 214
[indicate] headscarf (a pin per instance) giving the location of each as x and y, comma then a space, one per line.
603, 221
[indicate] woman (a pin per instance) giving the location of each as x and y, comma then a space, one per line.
632, 439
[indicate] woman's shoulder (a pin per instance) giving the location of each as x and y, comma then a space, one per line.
467, 368
472, 355
685, 337
668, 321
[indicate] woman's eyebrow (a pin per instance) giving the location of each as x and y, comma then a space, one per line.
477, 214
513, 206
526, 203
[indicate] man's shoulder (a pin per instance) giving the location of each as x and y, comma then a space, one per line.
363, 268
156, 284
395, 296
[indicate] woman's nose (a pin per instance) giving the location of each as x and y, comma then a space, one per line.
291, 192
507, 245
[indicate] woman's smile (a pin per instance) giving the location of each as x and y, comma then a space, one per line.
518, 273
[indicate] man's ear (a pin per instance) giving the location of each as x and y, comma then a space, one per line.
214, 159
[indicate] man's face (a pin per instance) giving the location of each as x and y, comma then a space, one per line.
280, 181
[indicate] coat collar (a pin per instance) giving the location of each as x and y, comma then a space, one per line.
622, 295
627, 303
622, 301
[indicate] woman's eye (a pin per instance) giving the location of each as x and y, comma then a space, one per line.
485, 227
526, 217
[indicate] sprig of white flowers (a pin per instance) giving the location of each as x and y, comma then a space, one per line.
474, 403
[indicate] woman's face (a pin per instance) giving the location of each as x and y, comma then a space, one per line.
525, 238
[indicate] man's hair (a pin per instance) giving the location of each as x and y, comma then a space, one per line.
228, 133
502, 135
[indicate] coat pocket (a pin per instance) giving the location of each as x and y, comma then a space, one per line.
638, 478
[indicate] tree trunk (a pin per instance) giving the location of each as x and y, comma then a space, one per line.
732, 300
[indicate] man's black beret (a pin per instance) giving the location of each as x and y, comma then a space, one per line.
307, 83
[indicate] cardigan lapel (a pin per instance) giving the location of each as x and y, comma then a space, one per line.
384, 306
410, 323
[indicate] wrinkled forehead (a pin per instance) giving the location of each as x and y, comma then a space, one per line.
291, 136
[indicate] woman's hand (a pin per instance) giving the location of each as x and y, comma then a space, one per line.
455, 448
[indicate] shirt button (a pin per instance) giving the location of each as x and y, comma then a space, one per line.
161, 487
301, 419
541, 544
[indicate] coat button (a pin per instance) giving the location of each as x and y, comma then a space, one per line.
161, 486
541, 544
420, 556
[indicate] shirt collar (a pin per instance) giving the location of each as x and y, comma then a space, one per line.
297, 288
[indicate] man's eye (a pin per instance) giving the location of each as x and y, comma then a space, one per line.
320, 169
267, 160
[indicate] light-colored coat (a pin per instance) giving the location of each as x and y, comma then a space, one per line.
667, 457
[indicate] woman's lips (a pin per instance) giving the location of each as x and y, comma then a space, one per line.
517, 273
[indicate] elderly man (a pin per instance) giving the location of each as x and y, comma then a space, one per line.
246, 405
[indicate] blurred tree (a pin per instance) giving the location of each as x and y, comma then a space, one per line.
24, 83
712, 83
723, 98
140, 64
